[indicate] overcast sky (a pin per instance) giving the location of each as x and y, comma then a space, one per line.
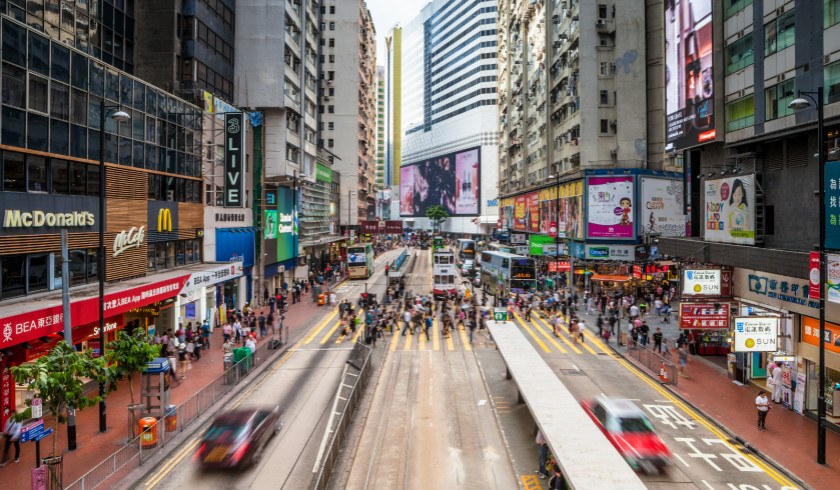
386, 14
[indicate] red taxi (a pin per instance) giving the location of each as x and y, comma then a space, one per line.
236, 439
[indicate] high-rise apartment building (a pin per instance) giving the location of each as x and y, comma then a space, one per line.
383, 187
393, 115
348, 103
449, 151
187, 47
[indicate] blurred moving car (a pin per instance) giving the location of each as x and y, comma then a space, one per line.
467, 264
236, 439
630, 431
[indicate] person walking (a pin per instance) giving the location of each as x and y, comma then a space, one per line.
407, 320
472, 327
762, 404
581, 327
776, 376
657, 340
643, 331
683, 352
11, 435
428, 321
542, 450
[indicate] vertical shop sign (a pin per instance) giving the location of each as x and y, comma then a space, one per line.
832, 275
234, 155
832, 205
814, 276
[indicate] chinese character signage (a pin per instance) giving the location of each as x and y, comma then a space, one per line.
832, 205
785, 292
811, 334
730, 210
755, 334
707, 282
610, 207
611, 252
704, 316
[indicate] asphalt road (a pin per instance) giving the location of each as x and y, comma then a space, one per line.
303, 383
704, 457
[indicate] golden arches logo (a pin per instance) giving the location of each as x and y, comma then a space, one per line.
164, 220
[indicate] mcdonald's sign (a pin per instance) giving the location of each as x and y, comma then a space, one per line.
164, 220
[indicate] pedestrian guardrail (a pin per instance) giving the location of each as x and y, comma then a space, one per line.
655, 362
399, 261
153, 438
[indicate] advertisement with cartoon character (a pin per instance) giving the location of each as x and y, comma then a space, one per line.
611, 209
730, 210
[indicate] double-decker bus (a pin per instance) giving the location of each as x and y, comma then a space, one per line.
503, 273
360, 261
498, 247
466, 249
438, 242
443, 271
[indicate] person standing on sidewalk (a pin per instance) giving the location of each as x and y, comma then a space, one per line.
683, 358
542, 448
11, 435
763, 406
657, 340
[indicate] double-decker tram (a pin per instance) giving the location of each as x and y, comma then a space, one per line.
360, 261
504, 273
443, 272
466, 249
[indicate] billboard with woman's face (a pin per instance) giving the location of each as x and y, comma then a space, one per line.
730, 210
451, 181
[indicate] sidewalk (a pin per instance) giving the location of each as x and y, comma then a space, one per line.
93, 447
790, 439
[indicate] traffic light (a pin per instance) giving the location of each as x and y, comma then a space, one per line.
387, 268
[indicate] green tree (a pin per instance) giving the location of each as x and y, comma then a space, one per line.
129, 354
437, 214
57, 378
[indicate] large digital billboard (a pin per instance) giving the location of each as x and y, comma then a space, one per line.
287, 224
730, 210
451, 180
689, 87
611, 205
661, 207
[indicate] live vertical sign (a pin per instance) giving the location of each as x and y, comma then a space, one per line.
234, 156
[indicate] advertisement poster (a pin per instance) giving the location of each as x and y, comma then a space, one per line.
701, 282
755, 334
451, 180
729, 210
689, 80
832, 276
570, 212
832, 200
548, 208
270, 224
811, 334
704, 316
520, 214
662, 207
287, 225
814, 286
799, 394
534, 211
610, 208
787, 384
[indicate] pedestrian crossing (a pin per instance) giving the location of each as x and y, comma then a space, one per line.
329, 331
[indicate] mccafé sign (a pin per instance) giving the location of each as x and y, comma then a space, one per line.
126, 240
16, 218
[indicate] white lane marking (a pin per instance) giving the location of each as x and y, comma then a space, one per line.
681, 459
327, 432
707, 484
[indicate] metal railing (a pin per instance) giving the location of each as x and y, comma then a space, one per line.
654, 361
139, 449
334, 446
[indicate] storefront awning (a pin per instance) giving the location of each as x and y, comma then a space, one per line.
607, 277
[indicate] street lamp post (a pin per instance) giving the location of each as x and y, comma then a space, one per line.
798, 104
118, 116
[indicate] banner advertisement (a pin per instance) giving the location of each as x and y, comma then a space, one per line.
756, 334
548, 209
832, 203
832, 276
559, 266
542, 245
611, 252
814, 285
662, 207
729, 213
689, 94
610, 208
287, 224
270, 224
520, 212
382, 227
234, 156
534, 212
704, 316
518, 238
506, 215
701, 282
451, 180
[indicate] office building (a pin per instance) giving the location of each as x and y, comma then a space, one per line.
348, 103
447, 116
393, 116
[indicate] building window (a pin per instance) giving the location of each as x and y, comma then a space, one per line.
602, 11
331, 109
777, 98
779, 33
606, 69
832, 82
605, 97
734, 6
739, 54
332, 26
331, 125
332, 42
332, 9
36, 178
605, 126
740, 113
13, 276
330, 143
831, 13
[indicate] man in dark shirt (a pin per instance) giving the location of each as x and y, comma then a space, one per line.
657, 340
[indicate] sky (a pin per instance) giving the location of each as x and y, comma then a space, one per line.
386, 14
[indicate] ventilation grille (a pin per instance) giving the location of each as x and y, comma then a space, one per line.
774, 157
797, 152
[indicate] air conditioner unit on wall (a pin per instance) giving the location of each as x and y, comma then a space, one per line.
600, 22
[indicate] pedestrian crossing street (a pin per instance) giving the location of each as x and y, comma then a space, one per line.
328, 331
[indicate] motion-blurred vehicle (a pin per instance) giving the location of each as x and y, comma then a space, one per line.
630, 431
467, 265
237, 439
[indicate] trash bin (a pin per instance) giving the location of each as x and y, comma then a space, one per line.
322, 298
148, 433
316, 290
242, 358
171, 419
230, 376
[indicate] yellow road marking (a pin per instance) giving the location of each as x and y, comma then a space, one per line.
395, 339
422, 340
320, 327
174, 462
407, 342
546, 335
358, 332
563, 338
573, 346
535, 337
465, 339
449, 344
332, 330
691, 413
436, 335
530, 482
